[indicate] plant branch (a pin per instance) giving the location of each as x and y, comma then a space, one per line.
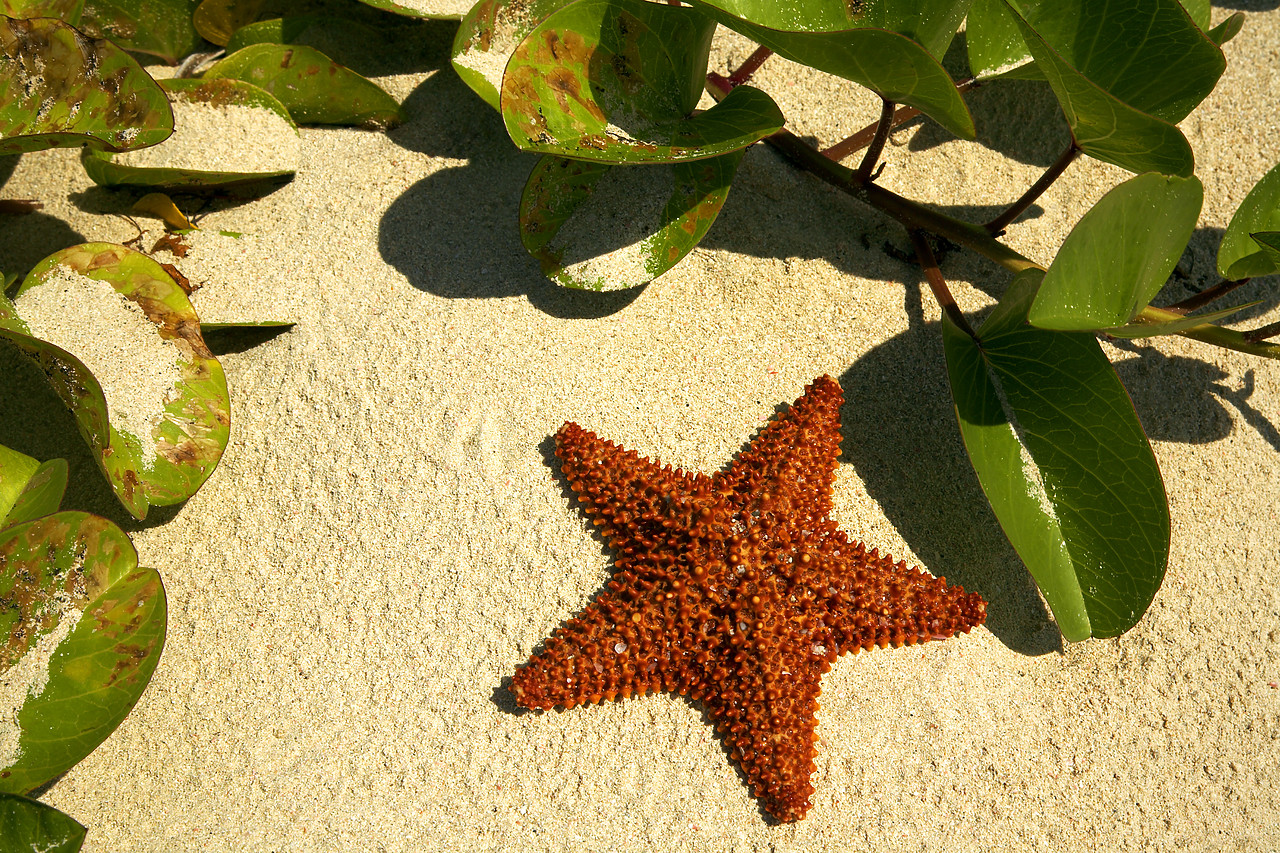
937, 283
863, 138
1206, 296
752, 64
996, 226
1262, 333
1211, 334
869, 160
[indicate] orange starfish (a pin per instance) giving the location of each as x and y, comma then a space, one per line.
737, 590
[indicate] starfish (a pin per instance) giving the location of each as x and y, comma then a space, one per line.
736, 590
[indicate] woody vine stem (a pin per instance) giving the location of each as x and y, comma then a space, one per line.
921, 221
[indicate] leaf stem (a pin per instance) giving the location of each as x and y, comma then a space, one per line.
1211, 334
749, 66
863, 138
937, 283
1262, 333
1206, 296
869, 160
996, 226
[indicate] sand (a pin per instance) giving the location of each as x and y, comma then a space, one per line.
221, 138
385, 541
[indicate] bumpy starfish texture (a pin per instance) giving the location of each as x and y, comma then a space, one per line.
736, 590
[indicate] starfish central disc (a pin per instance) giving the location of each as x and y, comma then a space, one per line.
737, 590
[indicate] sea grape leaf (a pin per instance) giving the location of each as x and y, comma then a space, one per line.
1120, 254
1124, 74
450, 9
596, 226
218, 20
61, 89
85, 627
314, 88
617, 81
325, 33
1172, 327
993, 39
16, 470
162, 28
104, 169
488, 36
65, 10
41, 495
194, 428
1198, 11
31, 825
1064, 463
1240, 255
831, 40
1270, 243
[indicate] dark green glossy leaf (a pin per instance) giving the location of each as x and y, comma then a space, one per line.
1124, 74
993, 39
827, 37
181, 170
85, 626
16, 470
1119, 254
324, 33
60, 89
314, 88
65, 10
1172, 327
1063, 460
1269, 241
30, 825
489, 35
451, 9
162, 28
42, 495
616, 81
1239, 254
600, 227
218, 20
188, 437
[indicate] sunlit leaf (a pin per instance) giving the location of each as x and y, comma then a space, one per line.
451, 9
162, 207
1198, 11
314, 88
65, 10
16, 469
993, 39
600, 227
30, 825
149, 457
1119, 254
1064, 463
161, 28
1124, 75
489, 35
1239, 254
84, 627
42, 494
218, 20
205, 153
860, 47
1172, 327
1269, 241
616, 81
60, 89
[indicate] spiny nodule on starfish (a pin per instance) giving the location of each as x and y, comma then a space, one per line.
736, 590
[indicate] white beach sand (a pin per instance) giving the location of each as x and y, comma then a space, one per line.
385, 541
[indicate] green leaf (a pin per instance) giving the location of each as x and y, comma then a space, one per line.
449, 9
30, 825
149, 458
1270, 243
1124, 75
16, 470
1239, 254
1119, 254
85, 628
600, 227
161, 28
1227, 30
854, 46
60, 89
314, 88
65, 10
42, 495
1198, 11
247, 324
1141, 329
616, 81
218, 20
488, 37
1064, 463
322, 32
198, 147
993, 39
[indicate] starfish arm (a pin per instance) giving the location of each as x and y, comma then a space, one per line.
873, 600
636, 502
790, 467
